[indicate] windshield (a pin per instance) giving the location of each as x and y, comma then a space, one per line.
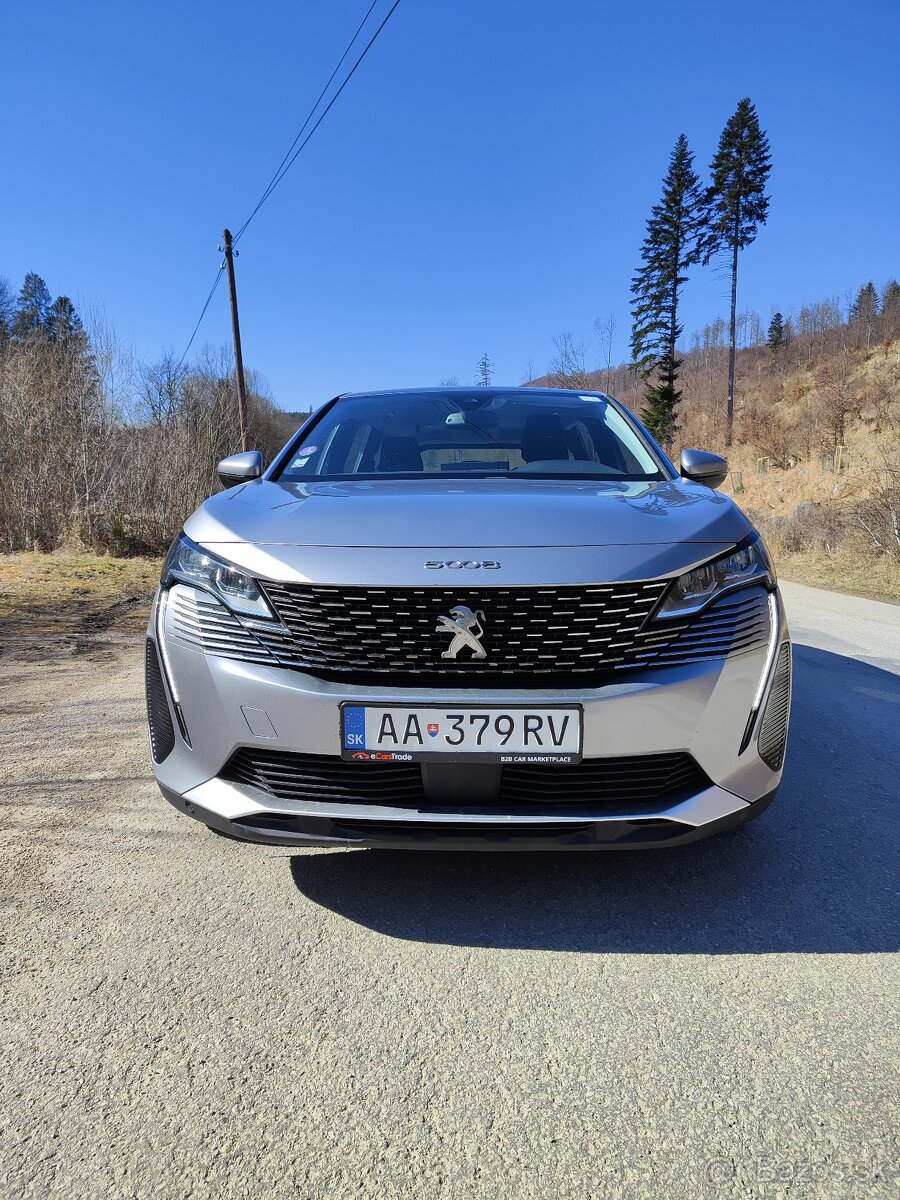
481, 432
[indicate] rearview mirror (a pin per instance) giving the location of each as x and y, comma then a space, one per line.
704, 467
239, 468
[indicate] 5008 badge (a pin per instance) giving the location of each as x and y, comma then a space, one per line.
458, 564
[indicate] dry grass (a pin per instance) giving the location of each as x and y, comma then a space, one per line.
55, 579
835, 553
57, 605
877, 578
779, 492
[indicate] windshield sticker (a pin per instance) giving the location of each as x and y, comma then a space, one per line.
307, 451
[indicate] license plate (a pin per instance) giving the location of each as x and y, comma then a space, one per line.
512, 733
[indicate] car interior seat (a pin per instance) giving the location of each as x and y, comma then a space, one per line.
544, 438
400, 454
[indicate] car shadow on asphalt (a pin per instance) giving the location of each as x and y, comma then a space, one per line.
817, 872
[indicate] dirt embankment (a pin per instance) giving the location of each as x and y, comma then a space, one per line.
59, 604
61, 616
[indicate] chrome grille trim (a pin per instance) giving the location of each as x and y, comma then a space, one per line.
737, 623
199, 620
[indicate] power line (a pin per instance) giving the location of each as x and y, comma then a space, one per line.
283, 170
212, 292
292, 154
273, 181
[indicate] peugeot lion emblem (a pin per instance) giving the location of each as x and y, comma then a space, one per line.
467, 630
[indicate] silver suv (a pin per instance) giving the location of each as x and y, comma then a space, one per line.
476, 618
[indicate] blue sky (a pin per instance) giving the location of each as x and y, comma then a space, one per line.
481, 185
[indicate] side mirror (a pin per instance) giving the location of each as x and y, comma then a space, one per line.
703, 467
239, 468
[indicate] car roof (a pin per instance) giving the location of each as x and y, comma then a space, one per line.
476, 390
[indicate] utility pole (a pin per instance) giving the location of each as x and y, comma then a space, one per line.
240, 386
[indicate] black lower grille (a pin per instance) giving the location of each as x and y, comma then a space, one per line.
326, 777
159, 718
773, 733
636, 783
646, 781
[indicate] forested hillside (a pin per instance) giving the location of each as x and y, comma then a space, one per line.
816, 451
103, 452
98, 449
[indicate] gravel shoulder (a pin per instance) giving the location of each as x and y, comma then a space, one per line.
188, 1016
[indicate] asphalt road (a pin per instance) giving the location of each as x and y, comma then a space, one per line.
186, 1016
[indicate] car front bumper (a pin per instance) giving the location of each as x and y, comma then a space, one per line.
711, 710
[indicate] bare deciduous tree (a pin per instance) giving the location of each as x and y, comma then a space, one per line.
567, 367
606, 333
877, 513
834, 379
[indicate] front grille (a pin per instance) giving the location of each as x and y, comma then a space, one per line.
159, 718
394, 631
560, 637
552, 634
637, 783
773, 733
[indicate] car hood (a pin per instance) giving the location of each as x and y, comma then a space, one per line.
479, 514
540, 531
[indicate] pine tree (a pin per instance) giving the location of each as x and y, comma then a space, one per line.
777, 335
736, 205
661, 402
890, 310
7, 310
485, 369
669, 249
890, 297
865, 306
63, 323
32, 307
864, 311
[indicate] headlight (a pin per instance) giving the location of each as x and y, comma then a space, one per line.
186, 562
744, 565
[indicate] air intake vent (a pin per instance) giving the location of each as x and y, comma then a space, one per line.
773, 734
326, 777
159, 718
642, 783
638, 783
